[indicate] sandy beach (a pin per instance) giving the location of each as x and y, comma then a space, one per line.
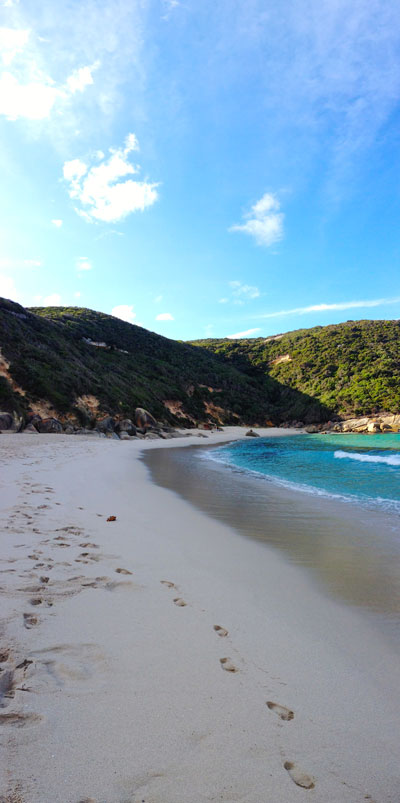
164, 658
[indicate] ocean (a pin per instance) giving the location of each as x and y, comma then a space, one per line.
363, 469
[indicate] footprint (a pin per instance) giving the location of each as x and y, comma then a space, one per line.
4, 655
123, 571
36, 601
298, 777
227, 664
280, 710
179, 602
44, 579
30, 620
168, 583
89, 545
221, 631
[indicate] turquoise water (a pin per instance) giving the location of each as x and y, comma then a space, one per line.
360, 468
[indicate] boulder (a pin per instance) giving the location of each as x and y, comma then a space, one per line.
373, 426
126, 426
49, 425
69, 430
312, 429
7, 421
152, 436
252, 434
106, 424
33, 418
144, 419
31, 429
123, 436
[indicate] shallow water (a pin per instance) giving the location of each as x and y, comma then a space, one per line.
352, 551
360, 468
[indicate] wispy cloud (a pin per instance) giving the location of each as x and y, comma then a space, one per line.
100, 191
342, 305
240, 293
11, 264
264, 222
57, 223
165, 316
247, 333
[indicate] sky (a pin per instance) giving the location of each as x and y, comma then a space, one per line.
201, 168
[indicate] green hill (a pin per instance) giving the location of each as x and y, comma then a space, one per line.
50, 355
65, 360
351, 368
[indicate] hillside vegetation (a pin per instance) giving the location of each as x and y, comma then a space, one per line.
352, 368
65, 360
50, 354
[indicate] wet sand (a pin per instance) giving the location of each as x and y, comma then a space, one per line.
162, 657
350, 551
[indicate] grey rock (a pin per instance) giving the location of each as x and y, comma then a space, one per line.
31, 429
106, 424
123, 436
49, 425
126, 426
7, 421
252, 434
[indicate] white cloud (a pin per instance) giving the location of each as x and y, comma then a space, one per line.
82, 263
12, 42
27, 89
8, 289
165, 316
124, 312
33, 100
77, 294
53, 300
19, 263
377, 302
57, 223
223, 300
247, 333
101, 193
81, 78
264, 222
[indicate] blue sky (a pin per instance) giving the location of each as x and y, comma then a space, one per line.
202, 168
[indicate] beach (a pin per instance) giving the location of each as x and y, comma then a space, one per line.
162, 657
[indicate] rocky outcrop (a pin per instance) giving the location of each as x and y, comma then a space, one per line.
252, 434
383, 422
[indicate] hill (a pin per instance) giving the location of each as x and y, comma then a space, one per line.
79, 364
70, 361
351, 368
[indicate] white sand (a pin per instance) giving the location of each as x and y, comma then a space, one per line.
126, 699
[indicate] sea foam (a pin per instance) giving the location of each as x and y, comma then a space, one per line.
391, 460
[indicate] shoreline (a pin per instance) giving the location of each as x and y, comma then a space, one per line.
128, 700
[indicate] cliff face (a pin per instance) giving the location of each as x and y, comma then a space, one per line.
76, 364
